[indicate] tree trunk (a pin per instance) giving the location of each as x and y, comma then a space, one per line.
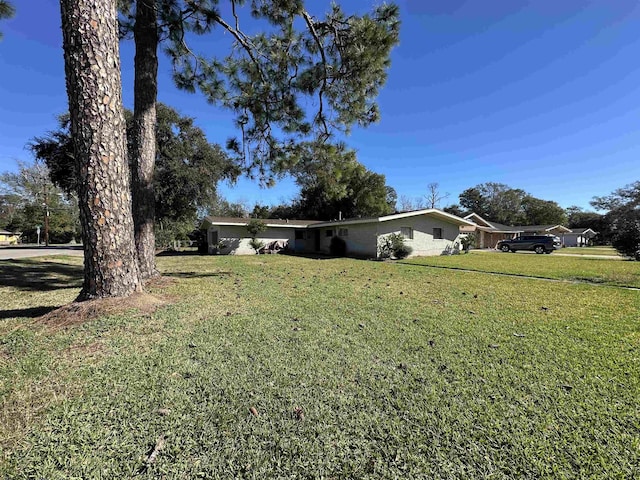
143, 138
92, 67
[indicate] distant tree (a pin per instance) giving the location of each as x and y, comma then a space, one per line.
261, 211
434, 196
455, 210
220, 207
627, 196
28, 198
408, 204
495, 201
542, 212
360, 193
623, 218
472, 200
6, 11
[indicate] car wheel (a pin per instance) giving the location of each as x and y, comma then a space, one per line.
505, 248
539, 249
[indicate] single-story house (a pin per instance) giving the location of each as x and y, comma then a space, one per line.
488, 234
579, 237
558, 230
8, 238
427, 232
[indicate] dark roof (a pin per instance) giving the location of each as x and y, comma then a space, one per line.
505, 228
267, 221
6, 232
537, 228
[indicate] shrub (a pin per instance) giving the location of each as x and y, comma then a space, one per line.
468, 241
402, 251
393, 246
338, 247
256, 244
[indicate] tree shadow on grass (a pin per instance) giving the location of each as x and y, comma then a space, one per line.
196, 274
38, 276
33, 312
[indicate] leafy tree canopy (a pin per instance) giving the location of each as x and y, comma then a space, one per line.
188, 167
337, 185
6, 11
623, 218
269, 79
510, 206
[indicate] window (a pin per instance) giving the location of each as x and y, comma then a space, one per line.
299, 234
329, 233
343, 232
407, 232
437, 233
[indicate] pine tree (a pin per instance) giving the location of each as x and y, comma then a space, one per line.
92, 68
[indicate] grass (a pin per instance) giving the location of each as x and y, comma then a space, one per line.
353, 369
591, 270
606, 251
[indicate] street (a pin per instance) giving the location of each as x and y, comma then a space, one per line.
26, 251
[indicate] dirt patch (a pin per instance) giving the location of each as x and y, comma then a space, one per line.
77, 313
159, 282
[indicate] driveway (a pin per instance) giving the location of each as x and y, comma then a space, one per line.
26, 251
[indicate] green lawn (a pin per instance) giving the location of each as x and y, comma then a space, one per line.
592, 270
355, 369
607, 251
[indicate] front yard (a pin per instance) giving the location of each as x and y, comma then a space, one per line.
554, 266
284, 367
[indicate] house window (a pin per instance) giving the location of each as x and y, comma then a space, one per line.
329, 233
299, 234
437, 233
343, 232
407, 232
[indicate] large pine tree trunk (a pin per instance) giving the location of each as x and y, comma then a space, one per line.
92, 67
144, 133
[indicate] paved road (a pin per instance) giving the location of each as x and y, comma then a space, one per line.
10, 253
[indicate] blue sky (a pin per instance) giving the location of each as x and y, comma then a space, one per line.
541, 95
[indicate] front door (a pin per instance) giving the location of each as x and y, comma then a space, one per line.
316, 240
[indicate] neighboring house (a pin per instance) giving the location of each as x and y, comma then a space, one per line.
8, 238
488, 234
427, 232
579, 237
558, 230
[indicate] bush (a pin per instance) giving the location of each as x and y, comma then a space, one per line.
626, 233
468, 241
256, 244
402, 251
393, 246
338, 247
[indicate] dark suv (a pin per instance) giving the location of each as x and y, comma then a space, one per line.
537, 243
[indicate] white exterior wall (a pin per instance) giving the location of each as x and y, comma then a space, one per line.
236, 238
423, 243
360, 238
575, 240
